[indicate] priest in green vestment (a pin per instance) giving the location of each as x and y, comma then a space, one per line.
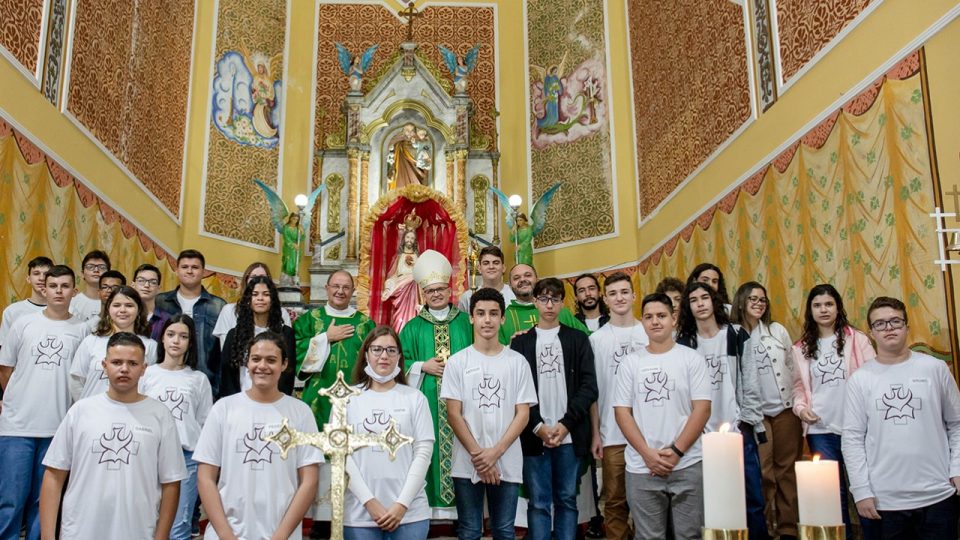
521, 313
438, 331
328, 340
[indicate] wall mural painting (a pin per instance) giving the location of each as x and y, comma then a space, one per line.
570, 134
244, 132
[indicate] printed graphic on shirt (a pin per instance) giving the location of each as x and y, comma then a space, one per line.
716, 367
116, 446
174, 401
658, 387
549, 361
488, 393
374, 423
101, 375
899, 405
830, 369
256, 451
762, 354
618, 357
49, 352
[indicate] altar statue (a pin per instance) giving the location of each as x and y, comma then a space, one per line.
410, 158
355, 66
287, 223
400, 290
522, 232
460, 68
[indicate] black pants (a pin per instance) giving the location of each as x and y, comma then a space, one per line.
935, 522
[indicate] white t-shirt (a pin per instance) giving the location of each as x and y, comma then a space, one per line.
828, 381
228, 321
118, 455
490, 388
186, 304
87, 363
660, 390
186, 393
13, 312
85, 308
611, 345
551, 378
38, 394
370, 412
464, 303
592, 324
901, 433
722, 373
256, 486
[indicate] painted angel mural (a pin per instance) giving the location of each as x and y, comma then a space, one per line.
287, 223
522, 230
246, 97
567, 105
355, 66
460, 68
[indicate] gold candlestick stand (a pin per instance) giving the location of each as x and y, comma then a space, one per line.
822, 532
725, 534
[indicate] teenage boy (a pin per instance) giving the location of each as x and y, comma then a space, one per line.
120, 446
901, 435
662, 403
673, 288
488, 389
37, 270
191, 298
622, 336
109, 281
557, 435
521, 314
34, 373
86, 305
491, 274
146, 280
590, 310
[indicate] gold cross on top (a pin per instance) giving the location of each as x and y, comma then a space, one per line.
410, 14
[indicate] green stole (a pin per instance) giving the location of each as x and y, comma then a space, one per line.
521, 317
423, 338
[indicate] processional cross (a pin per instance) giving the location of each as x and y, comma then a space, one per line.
410, 14
337, 441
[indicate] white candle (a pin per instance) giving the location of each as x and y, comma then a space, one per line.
724, 499
818, 492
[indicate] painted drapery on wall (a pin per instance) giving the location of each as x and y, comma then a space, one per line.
847, 204
570, 130
244, 129
46, 211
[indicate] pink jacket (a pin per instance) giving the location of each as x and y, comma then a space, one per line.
857, 349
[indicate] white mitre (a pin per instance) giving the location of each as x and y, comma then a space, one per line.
431, 267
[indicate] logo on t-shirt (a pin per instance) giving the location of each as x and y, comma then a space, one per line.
658, 386
174, 401
116, 446
899, 405
49, 352
716, 366
256, 451
829, 368
619, 355
377, 421
489, 393
762, 354
549, 364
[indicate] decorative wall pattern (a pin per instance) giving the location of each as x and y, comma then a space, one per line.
846, 204
360, 26
806, 26
763, 53
56, 34
241, 144
691, 87
570, 118
20, 22
129, 79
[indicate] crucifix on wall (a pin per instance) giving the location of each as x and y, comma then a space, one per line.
955, 195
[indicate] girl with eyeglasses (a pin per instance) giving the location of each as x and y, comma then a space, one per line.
770, 344
828, 353
386, 498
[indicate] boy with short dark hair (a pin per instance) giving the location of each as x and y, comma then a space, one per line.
491, 268
86, 305
146, 280
36, 273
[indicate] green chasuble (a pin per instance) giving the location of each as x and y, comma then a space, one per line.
343, 355
520, 317
423, 338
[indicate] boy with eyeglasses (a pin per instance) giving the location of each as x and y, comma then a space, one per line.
86, 305
901, 435
146, 281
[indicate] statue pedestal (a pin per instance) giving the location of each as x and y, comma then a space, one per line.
290, 296
319, 273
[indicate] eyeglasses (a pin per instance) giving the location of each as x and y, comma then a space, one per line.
110, 288
762, 300
344, 288
95, 267
549, 300
888, 324
436, 290
147, 282
377, 350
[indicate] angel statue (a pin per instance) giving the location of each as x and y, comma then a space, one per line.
522, 232
287, 223
400, 291
460, 68
355, 66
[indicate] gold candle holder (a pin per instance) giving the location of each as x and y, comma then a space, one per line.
822, 532
725, 534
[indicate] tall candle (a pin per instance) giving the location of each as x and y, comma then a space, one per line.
724, 499
818, 492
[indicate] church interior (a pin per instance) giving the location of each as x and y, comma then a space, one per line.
787, 141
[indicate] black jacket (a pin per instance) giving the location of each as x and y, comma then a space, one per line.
230, 376
582, 391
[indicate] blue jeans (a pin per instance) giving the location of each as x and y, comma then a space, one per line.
551, 480
188, 498
408, 531
21, 474
502, 501
828, 446
753, 482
